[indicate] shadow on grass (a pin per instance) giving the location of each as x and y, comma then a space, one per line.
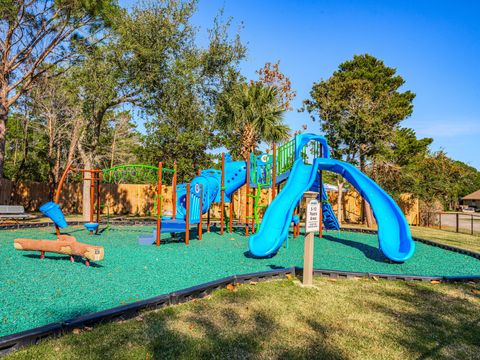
203, 332
435, 324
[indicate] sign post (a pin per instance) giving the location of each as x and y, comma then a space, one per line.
311, 225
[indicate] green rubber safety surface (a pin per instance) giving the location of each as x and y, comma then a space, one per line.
36, 292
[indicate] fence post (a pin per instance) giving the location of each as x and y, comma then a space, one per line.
456, 222
440, 221
472, 224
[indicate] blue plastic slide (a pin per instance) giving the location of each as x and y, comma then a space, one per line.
394, 236
278, 217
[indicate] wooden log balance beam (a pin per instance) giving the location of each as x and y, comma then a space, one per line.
65, 244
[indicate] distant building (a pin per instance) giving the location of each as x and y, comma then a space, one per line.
472, 200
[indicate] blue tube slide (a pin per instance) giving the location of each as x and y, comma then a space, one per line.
210, 180
394, 236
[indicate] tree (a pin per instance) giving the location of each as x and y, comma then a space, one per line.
271, 75
443, 179
123, 140
359, 107
57, 118
251, 113
37, 36
396, 167
182, 110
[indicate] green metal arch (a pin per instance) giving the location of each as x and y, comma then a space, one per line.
132, 174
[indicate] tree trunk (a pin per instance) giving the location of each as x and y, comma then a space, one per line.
340, 200
18, 172
248, 140
367, 214
3, 134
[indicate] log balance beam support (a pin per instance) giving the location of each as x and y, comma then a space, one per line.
65, 244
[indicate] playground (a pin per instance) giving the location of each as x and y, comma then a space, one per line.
40, 292
46, 281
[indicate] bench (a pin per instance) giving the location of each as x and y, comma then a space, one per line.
14, 212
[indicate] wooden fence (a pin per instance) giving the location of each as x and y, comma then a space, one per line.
133, 199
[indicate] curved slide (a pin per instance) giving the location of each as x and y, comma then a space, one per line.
394, 236
278, 217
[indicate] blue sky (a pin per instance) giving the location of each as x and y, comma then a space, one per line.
434, 45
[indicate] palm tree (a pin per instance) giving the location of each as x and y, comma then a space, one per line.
253, 113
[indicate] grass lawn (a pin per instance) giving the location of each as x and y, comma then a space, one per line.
464, 241
344, 319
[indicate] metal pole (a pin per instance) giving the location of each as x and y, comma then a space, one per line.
456, 217
247, 191
92, 195
99, 179
174, 191
471, 224
320, 192
201, 215
59, 189
440, 221
274, 170
159, 202
187, 217
208, 220
222, 194
231, 214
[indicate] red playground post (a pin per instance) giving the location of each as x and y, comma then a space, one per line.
320, 231
201, 215
247, 191
222, 194
159, 202
174, 191
231, 214
187, 217
99, 180
274, 170
59, 189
